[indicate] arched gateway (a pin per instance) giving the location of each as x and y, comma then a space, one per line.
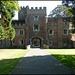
36, 42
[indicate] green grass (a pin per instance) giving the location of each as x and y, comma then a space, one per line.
65, 56
9, 58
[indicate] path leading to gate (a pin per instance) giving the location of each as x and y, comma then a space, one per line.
38, 61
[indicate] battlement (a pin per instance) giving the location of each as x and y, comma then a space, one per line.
23, 7
38, 8
25, 10
18, 22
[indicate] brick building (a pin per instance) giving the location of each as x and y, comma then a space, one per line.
35, 29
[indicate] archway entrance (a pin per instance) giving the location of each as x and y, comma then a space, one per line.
36, 42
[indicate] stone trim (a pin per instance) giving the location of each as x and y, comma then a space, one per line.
67, 31
38, 28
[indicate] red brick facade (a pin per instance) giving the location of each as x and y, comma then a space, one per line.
35, 29
58, 38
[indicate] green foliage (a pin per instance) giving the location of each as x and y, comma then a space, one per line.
7, 10
72, 31
2, 33
65, 56
68, 60
71, 4
60, 11
9, 59
11, 32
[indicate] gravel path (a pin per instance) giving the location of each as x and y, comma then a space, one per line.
38, 61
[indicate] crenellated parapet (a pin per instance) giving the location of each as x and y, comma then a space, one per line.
25, 10
18, 23
36, 8
23, 7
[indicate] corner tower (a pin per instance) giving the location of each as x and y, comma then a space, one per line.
22, 13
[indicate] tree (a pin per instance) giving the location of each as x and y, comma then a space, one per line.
7, 11
71, 4
60, 11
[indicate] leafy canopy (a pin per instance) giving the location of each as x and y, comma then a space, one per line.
60, 11
71, 4
7, 11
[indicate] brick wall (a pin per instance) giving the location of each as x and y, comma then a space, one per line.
26, 23
18, 37
31, 13
58, 38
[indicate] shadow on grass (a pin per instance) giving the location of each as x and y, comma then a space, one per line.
68, 60
6, 65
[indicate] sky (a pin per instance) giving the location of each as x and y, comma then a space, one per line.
50, 5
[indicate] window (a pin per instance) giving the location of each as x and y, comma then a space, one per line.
21, 42
35, 18
65, 42
50, 42
65, 31
21, 32
13, 42
0, 16
36, 27
50, 32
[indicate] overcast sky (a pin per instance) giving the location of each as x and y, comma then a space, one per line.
49, 4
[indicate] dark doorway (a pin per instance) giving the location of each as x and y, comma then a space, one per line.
36, 42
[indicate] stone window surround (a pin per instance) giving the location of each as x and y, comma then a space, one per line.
52, 32
50, 42
19, 32
20, 42
65, 23
65, 29
38, 28
37, 18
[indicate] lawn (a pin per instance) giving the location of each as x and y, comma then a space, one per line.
65, 56
9, 58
